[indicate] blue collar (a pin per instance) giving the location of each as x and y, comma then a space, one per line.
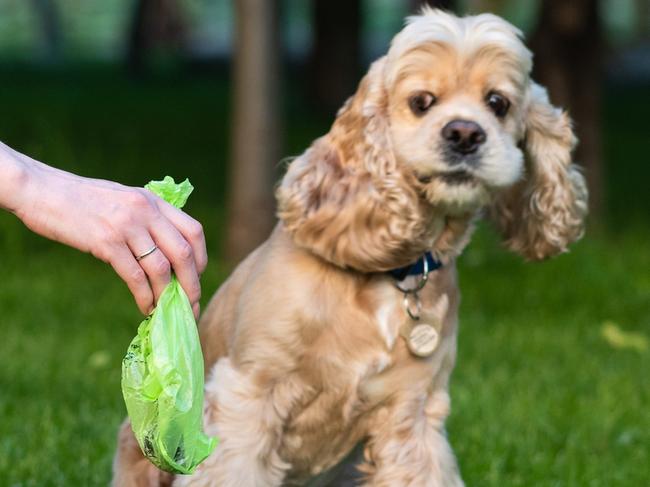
416, 268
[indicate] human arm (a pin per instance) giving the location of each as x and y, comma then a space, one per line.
111, 221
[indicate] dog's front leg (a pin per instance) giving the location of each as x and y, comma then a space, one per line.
409, 447
248, 421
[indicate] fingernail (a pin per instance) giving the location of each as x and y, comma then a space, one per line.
197, 310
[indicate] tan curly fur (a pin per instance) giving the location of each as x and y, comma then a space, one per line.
347, 200
546, 211
304, 344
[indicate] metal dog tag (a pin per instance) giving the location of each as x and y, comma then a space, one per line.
422, 340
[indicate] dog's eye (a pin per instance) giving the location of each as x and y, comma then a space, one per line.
421, 102
498, 103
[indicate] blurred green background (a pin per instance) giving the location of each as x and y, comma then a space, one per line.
551, 386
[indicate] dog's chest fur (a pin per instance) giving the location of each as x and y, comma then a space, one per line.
346, 390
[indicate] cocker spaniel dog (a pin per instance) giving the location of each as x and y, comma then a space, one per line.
338, 334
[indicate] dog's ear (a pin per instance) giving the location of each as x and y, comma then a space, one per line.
544, 212
345, 199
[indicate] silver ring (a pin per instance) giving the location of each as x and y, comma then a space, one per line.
415, 316
148, 252
423, 279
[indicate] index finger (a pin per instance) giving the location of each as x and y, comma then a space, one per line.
179, 253
190, 229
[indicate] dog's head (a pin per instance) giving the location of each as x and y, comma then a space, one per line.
447, 123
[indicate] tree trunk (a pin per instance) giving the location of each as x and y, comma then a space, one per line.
155, 24
336, 55
568, 46
50, 21
450, 5
256, 127
642, 18
480, 6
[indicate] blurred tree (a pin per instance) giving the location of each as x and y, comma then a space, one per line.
568, 46
643, 17
155, 24
479, 6
450, 5
256, 126
335, 59
50, 23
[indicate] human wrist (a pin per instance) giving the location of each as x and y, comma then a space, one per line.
15, 176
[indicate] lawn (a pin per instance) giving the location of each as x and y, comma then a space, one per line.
540, 396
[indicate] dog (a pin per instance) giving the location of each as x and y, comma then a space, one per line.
339, 332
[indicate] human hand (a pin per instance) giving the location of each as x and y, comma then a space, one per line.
115, 223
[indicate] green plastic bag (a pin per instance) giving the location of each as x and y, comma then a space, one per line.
162, 372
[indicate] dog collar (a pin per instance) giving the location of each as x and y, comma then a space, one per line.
416, 268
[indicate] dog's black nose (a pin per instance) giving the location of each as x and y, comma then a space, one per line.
463, 136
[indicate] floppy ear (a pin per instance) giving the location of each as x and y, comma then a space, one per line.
545, 212
345, 199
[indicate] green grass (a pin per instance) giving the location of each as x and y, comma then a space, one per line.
540, 398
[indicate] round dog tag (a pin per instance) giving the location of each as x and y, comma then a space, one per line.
422, 340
